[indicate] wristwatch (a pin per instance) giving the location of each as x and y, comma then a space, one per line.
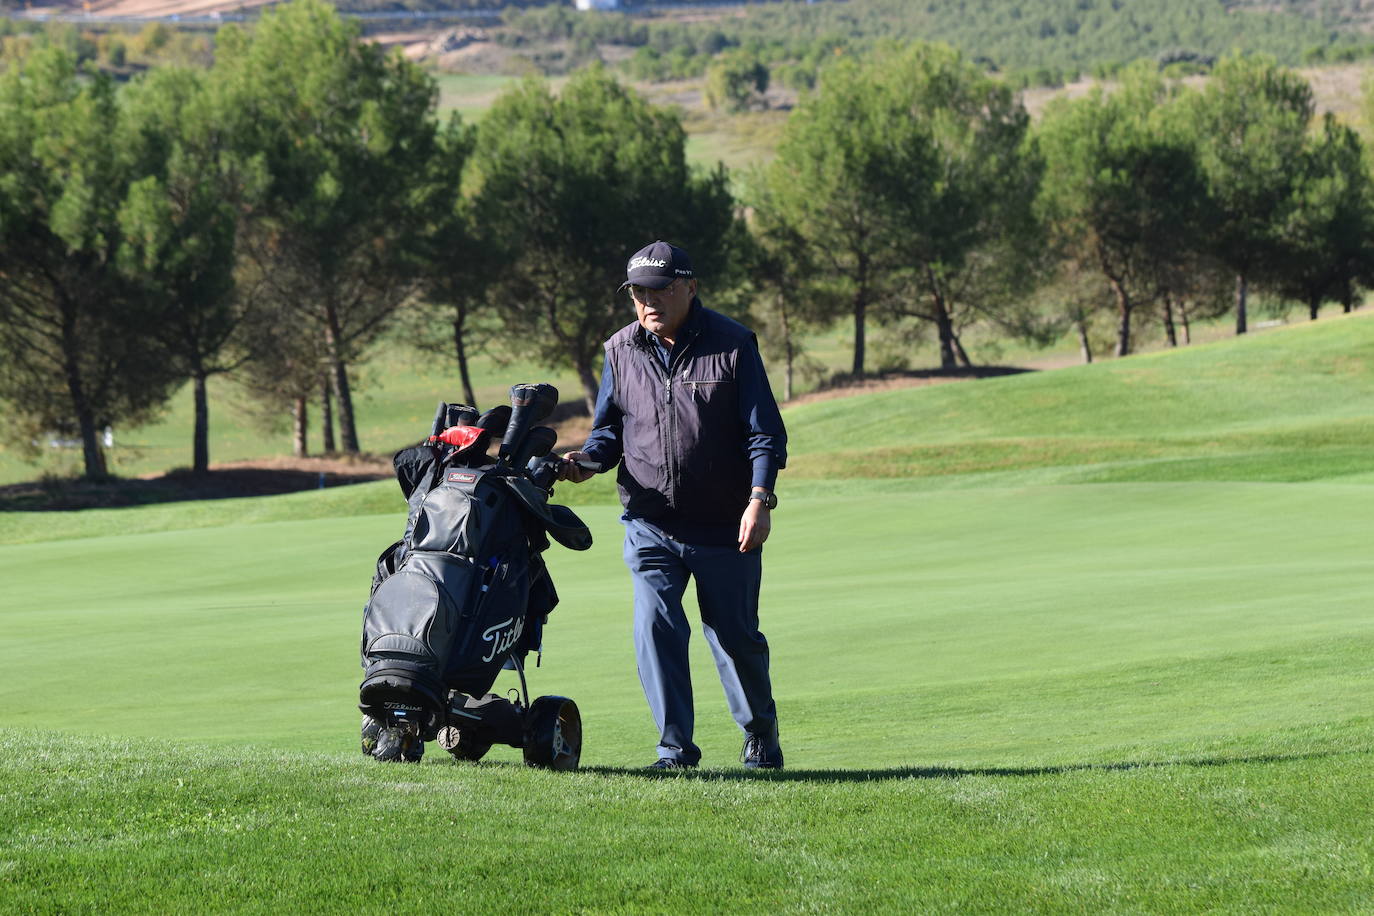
769, 499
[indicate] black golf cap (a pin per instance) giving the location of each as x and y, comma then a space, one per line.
656, 265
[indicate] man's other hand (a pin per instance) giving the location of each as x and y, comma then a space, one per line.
754, 526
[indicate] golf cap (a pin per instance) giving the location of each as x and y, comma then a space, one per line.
657, 265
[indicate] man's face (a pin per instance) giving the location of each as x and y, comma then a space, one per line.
662, 311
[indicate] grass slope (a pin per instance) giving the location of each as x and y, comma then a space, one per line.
1002, 688
1292, 404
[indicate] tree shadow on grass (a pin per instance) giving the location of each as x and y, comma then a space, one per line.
898, 773
70, 494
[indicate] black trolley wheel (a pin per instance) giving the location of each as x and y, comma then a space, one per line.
553, 734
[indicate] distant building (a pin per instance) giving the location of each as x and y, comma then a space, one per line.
597, 4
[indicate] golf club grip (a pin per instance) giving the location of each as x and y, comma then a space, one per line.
440, 415
515, 432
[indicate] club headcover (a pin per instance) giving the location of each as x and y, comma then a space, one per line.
529, 405
460, 415
538, 442
461, 437
495, 420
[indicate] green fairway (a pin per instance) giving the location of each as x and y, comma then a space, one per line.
1031, 626
1096, 639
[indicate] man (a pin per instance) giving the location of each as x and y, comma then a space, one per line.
686, 412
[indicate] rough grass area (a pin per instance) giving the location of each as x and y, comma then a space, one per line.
117, 826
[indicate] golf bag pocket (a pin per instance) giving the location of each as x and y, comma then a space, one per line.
456, 517
408, 632
409, 618
492, 626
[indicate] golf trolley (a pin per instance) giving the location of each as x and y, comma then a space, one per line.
465, 592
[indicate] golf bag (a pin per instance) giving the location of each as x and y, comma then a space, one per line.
465, 592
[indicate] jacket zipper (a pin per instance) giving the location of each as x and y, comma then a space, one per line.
669, 464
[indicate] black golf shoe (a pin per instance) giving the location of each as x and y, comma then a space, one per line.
755, 755
670, 763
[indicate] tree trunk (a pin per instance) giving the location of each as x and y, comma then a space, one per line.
1123, 327
460, 350
1183, 320
1313, 306
1084, 346
944, 325
961, 354
348, 431
200, 438
945, 330
326, 415
300, 417
1242, 324
1169, 333
860, 310
591, 385
94, 462
787, 348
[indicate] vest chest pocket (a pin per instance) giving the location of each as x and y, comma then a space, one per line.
708, 390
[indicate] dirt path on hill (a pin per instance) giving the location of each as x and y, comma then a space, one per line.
158, 8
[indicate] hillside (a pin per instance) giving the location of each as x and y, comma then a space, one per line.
1090, 640
1290, 404
1028, 37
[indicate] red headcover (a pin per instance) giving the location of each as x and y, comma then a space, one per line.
460, 437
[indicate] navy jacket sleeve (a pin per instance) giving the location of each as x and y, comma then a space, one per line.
604, 444
766, 439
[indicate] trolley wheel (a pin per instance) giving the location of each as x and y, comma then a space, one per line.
553, 734
462, 744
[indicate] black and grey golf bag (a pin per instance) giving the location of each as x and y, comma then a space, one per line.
465, 592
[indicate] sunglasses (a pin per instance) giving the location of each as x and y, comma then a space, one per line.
642, 294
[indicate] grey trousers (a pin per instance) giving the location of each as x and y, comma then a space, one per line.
727, 584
